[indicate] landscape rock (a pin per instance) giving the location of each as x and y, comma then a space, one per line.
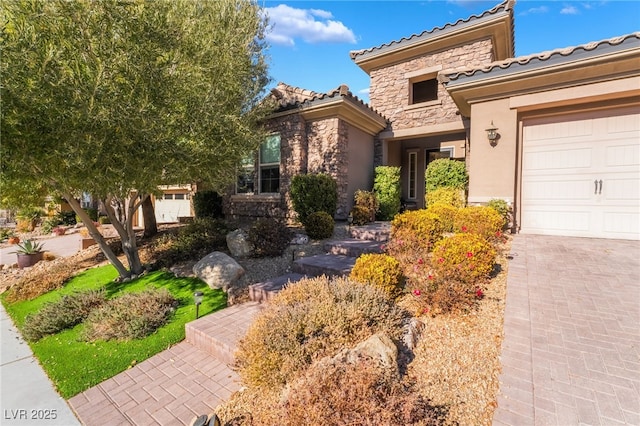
238, 243
218, 270
412, 331
300, 239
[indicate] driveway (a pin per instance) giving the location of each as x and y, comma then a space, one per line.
571, 349
62, 246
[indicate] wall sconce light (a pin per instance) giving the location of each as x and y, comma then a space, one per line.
197, 299
492, 134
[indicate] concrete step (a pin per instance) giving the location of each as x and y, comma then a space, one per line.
218, 333
264, 291
377, 231
324, 264
353, 247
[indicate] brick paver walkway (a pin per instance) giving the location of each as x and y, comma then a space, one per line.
571, 350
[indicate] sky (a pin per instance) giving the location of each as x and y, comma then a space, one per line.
309, 41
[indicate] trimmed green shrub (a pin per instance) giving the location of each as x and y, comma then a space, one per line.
67, 312
481, 220
314, 193
446, 195
130, 316
269, 237
366, 203
67, 217
207, 204
319, 225
380, 270
446, 172
309, 320
387, 189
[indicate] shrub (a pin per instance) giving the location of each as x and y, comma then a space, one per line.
445, 172
365, 205
67, 312
93, 215
436, 295
467, 258
308, 320
380, 270
196, 239
103, 220
387, 189
41, 281
355, 394
48, 224
130, 316
207, 204
446, 195
414, 232
480, 220
269, 237
446, 213
319, 225
502, 207
314, 193
67, 217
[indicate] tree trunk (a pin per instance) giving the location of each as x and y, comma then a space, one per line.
126, 232
97, 236
149, 217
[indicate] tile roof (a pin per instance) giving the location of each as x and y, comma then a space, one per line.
290, 97
506, 5
547, 58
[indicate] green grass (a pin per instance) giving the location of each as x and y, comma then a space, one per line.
75, 366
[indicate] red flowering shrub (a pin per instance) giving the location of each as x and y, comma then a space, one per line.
413, 234
480, 220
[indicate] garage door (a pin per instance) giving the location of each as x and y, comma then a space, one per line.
581, 175
172, 206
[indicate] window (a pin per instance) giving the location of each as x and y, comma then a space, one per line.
270, 165
413, 175
268, 169
168, 196
424, 91
439, 153
179, 196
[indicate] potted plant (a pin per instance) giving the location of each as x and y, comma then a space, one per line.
29, 253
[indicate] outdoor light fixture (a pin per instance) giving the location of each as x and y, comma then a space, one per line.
492, 134
350, 219
197, 298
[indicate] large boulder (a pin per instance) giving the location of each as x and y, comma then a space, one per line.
218, 270
238, 243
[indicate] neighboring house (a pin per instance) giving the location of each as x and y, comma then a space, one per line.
566, 152
172, 206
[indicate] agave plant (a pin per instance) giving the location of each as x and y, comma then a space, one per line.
29, 247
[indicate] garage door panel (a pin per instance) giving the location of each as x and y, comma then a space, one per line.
581, 175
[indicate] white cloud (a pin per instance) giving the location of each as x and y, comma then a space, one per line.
364, 91
311, 25
535, 10
569, 10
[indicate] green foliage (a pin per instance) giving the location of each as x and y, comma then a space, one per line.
48, 224
502, 207
415, 231
380, 270
102, 220
269, 237
195, 240
130, 316
481, 220
92, 213
319, 225
179, 98
67, 218
446, 195
6, 233
365, 207
446, 172
30, 213
309, 320
446, 213
465, 258
64, 313
29, 247
208, 204
387, 189
314, 193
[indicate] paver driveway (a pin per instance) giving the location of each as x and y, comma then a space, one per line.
571, 350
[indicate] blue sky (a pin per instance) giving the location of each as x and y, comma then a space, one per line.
310, 40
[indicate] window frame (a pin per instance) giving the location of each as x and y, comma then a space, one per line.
412, 181
269, 165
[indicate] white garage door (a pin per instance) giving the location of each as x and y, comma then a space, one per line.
172, 206
581, 175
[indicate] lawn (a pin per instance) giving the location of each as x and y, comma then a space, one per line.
75, 366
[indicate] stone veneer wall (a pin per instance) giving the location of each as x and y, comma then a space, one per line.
390, 88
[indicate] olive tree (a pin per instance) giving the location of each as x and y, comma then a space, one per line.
114, 98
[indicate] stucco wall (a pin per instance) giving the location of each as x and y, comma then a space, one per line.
390, 85
360, 166
492, 169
